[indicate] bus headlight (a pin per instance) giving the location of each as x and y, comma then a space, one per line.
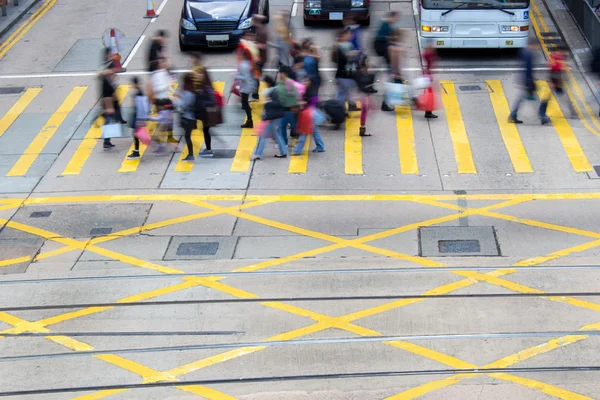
434, 28
510, 28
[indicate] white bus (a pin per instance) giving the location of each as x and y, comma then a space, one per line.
475, 23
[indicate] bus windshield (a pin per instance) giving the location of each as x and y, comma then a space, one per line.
474, 4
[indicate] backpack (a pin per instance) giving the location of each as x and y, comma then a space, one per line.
204, 98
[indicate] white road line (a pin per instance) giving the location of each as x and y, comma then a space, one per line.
294, 9
162, 5
135, 49
218, 70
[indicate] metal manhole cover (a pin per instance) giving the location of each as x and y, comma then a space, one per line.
470, 88
198, 249
459, 246
597, 169
11, 90
100, 231
40, 214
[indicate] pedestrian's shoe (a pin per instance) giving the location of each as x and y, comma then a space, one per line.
206, 153
108, 146
122, 121
385, 107
160, 150
363, 131
255, 158
280, 155
514, 120
318, 151
545, 120
135, 155
255, 96
353, 107
189, 158
248, 124
429, 114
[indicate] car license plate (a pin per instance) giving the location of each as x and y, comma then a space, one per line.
217, 38
336, 16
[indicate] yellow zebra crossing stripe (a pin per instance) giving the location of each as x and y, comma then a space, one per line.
458, 133
406, 141
299, 163
353, 164
509, 132
46, 133
17, 109
248, 140
87, 145
566, 135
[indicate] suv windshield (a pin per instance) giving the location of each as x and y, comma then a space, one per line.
474, 4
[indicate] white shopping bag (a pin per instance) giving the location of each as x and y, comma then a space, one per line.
420, 83
396, 94
110, 131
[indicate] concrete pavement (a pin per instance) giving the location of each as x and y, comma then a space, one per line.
416, 198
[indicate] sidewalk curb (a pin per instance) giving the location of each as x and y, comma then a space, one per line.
574, 56
17, 17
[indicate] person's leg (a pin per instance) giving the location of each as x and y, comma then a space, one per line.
280, 135
320, 145
260, 147
246, 106
299, 145
207, 141
292, 122
188, 126
352, 86
513, 113
341, 94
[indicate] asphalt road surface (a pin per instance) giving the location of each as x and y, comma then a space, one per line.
455, 258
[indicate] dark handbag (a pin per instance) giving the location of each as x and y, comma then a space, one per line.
366, 83
214, 116
272, 110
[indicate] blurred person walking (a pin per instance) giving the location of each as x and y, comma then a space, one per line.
140, 116
309, 119
111, 110
270, 122
396, 54
311, 64
346, 57
248, 86
528, 88
366, 86
248, 45
185, 102
288, 97
430, 57
157, 50
282, 41
383, 35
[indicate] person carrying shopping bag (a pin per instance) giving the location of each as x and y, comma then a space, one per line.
138, 123
186, 104
248, 86
395, 57
308, 120
270, 122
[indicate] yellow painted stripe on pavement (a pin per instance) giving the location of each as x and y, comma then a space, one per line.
132, 165
25, 27
299, 163
197, 142
17, 109
566, 135
424, 389
46, 133
406, 141
458, 133
551, 390
248, 139
205, 392
87, 145
100, 395
509, 132
353, 164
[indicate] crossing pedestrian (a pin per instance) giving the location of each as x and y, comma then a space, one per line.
366, 84
346, 57
271, 121
353, 27
248, 45
159, 90
430, 57
282, 41
396, 54
247, 86
261, 38
288, 97
111, 109
308, 123
185, 102
205, 99
140, 116
383, 34
157, 51
528, 88
310, 64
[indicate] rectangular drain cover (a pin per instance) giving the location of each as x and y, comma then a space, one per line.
198, 249
40, 214
224, 153
459, 246
470, 88
100, 231
11, 90
458, 241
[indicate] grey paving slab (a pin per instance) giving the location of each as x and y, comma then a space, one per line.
46, 268
87, 55
139, 246
273, 247
79, 220
17, 248
406, 243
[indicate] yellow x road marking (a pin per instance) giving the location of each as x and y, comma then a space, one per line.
323, 322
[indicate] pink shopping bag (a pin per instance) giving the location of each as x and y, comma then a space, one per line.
143, 136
